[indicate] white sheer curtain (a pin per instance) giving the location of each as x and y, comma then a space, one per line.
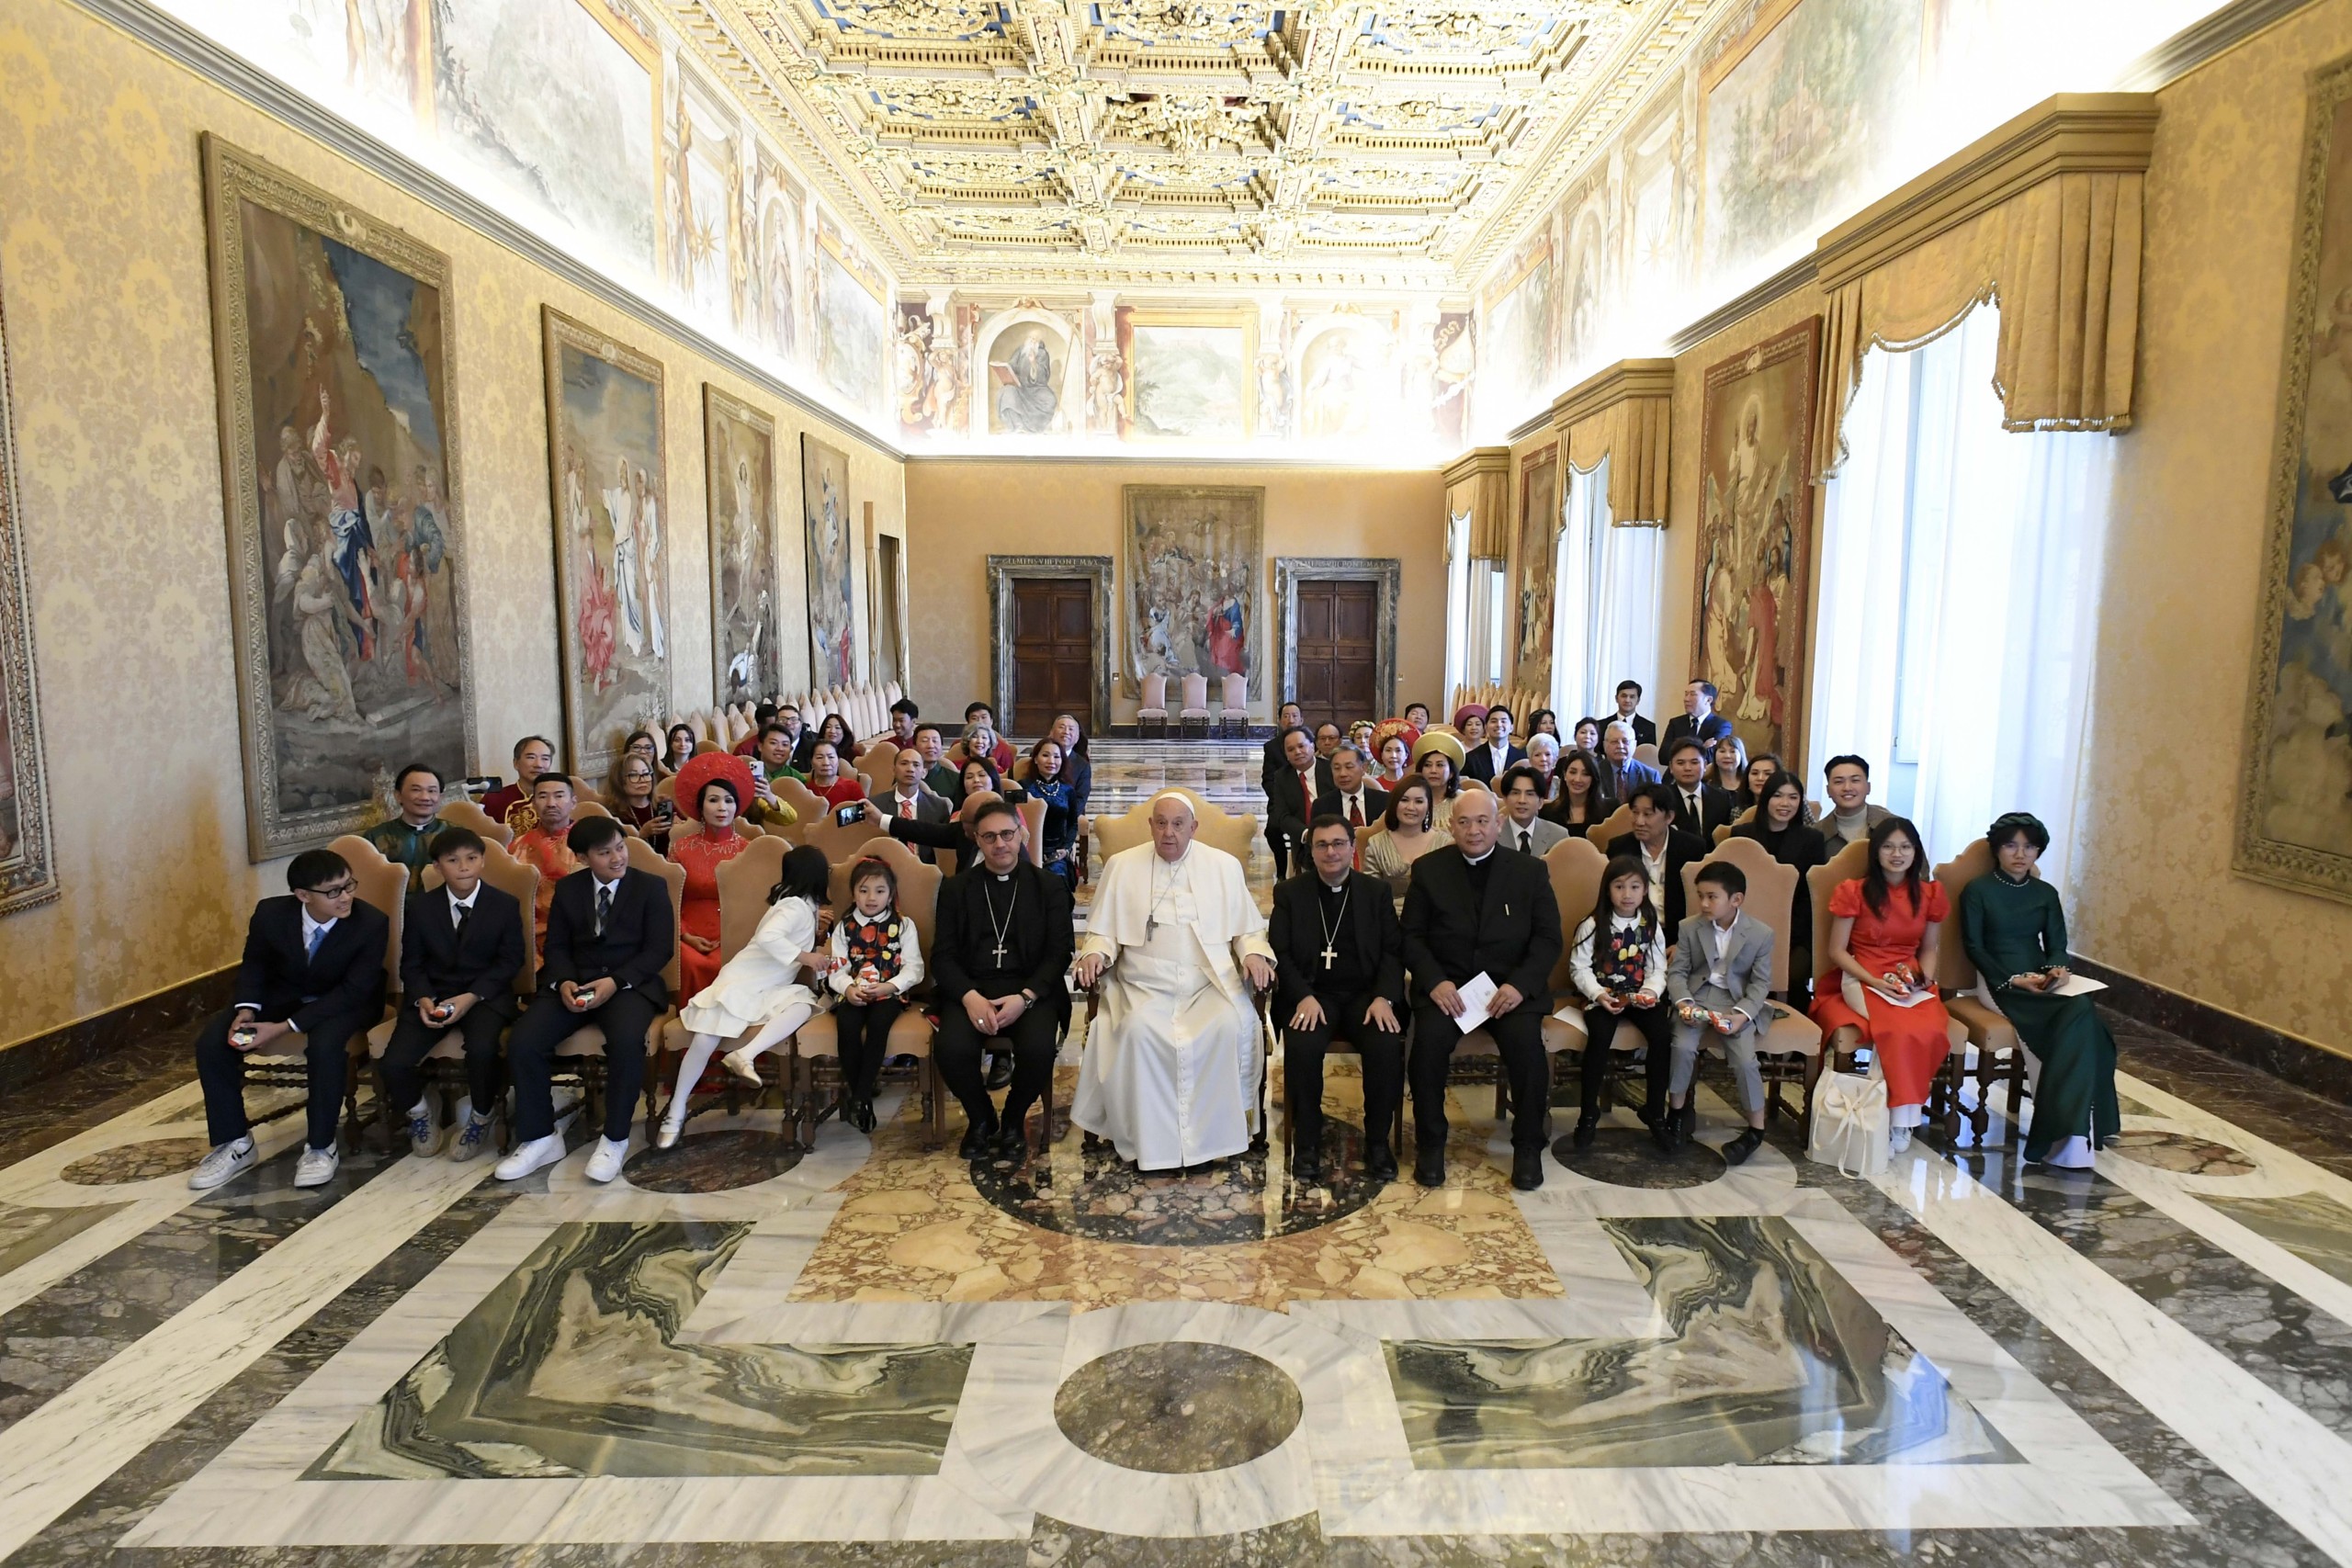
1612, 583
1960, 575
1457, 606
1584, 511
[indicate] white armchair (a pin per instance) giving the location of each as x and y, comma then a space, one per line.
1233, 706
1154, 711
1196, 705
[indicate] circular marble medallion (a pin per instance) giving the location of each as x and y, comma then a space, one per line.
712, 1162
1178, 1408
1625, 1156
1089, 1190
137, 1162
2181, 1152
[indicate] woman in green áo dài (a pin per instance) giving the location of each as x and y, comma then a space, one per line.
2015, 932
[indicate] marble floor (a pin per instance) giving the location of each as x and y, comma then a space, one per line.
869, 1352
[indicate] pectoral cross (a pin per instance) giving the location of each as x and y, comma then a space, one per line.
1330, 953
1000, 955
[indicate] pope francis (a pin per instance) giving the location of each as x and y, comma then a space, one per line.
1171, 1074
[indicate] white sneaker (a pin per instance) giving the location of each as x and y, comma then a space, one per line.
317, 1166
738, 1066
224, 1164
537, 1154
606, 1163
473, 1135
423, 1129
1898, 1140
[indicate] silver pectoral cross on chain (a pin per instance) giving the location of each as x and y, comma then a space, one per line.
1329, 954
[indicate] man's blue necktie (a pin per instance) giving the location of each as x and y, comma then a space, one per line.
318, 935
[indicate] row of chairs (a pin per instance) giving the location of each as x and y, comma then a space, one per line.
866, 708
1193, 716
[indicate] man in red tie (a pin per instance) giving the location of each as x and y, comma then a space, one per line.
908, 797
1291, 795
1358, 803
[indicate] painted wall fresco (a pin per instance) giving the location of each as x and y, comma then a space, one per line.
746, 606
832, 545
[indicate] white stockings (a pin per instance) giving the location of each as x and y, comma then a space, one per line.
775, 1032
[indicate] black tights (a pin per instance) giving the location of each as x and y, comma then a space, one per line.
862, 1034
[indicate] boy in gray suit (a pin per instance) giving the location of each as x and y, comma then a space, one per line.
1716, 983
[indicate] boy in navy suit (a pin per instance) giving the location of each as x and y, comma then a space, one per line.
461, 947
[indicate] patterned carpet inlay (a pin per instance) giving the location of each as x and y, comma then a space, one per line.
571, 1367
1181, 1408
1771, 1358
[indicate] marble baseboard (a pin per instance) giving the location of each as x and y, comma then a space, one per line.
169, 1012
2306, 1065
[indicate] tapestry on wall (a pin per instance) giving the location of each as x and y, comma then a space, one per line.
339, 466
1193, 581
27, 874
608, 464
2294, 824
1756, 535
746, 607
1538, 549
833, 604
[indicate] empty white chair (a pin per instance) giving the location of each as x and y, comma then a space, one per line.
1196, 705
1233, 706
1154, 712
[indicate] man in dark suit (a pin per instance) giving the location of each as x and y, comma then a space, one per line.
1664, 849
1621, 771
1629, 697
1498, 756
1293, 795
461, 946
1338, 975
1000, 948
1476, 909
1353, 799
1286, 718
1699, 808
610, 934
313, 965
908, 797
1698, 719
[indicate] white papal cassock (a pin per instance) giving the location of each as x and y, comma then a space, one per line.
1171, 1072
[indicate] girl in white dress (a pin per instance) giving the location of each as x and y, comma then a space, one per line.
760, 988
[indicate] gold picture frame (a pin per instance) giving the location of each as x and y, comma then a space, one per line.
740, 467
1139, 318
28, 870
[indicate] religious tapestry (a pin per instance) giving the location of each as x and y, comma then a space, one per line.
339, 470
1538, 549
833, 602
27, 874
746, 611
1756, 535
608, 463
2294, 825
1193, 557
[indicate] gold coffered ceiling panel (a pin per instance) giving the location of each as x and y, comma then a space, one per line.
1239, 143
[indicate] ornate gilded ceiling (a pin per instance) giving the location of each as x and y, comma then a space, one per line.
1134, 141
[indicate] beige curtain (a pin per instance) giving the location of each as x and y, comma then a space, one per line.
1623, 414
1480, 486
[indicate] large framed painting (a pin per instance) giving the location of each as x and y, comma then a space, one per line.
833, 603
2294, 824
1189, 373
1538, 549
1756, 535
746, 611
27, 874
340, 478
1194, 557
608, 464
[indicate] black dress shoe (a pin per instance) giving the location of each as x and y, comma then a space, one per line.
859, 1114
1012, 1141
1429, 1167
1379, 1162
1586, 1129
1527, 1169
1739, 1148
979, 1139
1305, 1170
1000, 1069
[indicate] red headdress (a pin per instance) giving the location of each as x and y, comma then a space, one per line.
709, 767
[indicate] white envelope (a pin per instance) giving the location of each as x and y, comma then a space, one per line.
1478, 995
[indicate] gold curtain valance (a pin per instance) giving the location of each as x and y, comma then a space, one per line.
1622, 413
1478, 483
2043, 215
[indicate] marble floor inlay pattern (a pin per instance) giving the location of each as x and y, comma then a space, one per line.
1178, 1409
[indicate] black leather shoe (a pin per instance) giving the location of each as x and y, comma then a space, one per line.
1000, 1069
1012, 1141
1429, 1167
1305, 1170
859, 1114
1586, 1129
979, 1139
1379, 1162
1527, 1169
1739, 1148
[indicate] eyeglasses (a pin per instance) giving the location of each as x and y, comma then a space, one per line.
339, 890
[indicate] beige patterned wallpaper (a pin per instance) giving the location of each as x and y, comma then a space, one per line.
102, 261
2176, 626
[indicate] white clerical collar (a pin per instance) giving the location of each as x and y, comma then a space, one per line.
1335, 887
1476, 860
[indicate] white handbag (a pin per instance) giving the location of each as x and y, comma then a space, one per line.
1849, 1123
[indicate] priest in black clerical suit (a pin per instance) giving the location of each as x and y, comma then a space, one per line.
1001, 945
1338, 975
1474, 910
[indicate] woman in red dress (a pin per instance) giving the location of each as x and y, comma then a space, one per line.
716, 782
1882, 934
838, 784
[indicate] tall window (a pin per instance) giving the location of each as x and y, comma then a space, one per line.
1960, 577
1605, 619
1457, 604
1490, 618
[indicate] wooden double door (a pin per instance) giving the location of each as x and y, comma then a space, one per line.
1053, 652
1338, 656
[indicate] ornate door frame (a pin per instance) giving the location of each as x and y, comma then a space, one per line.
1002, 571
1386, 572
